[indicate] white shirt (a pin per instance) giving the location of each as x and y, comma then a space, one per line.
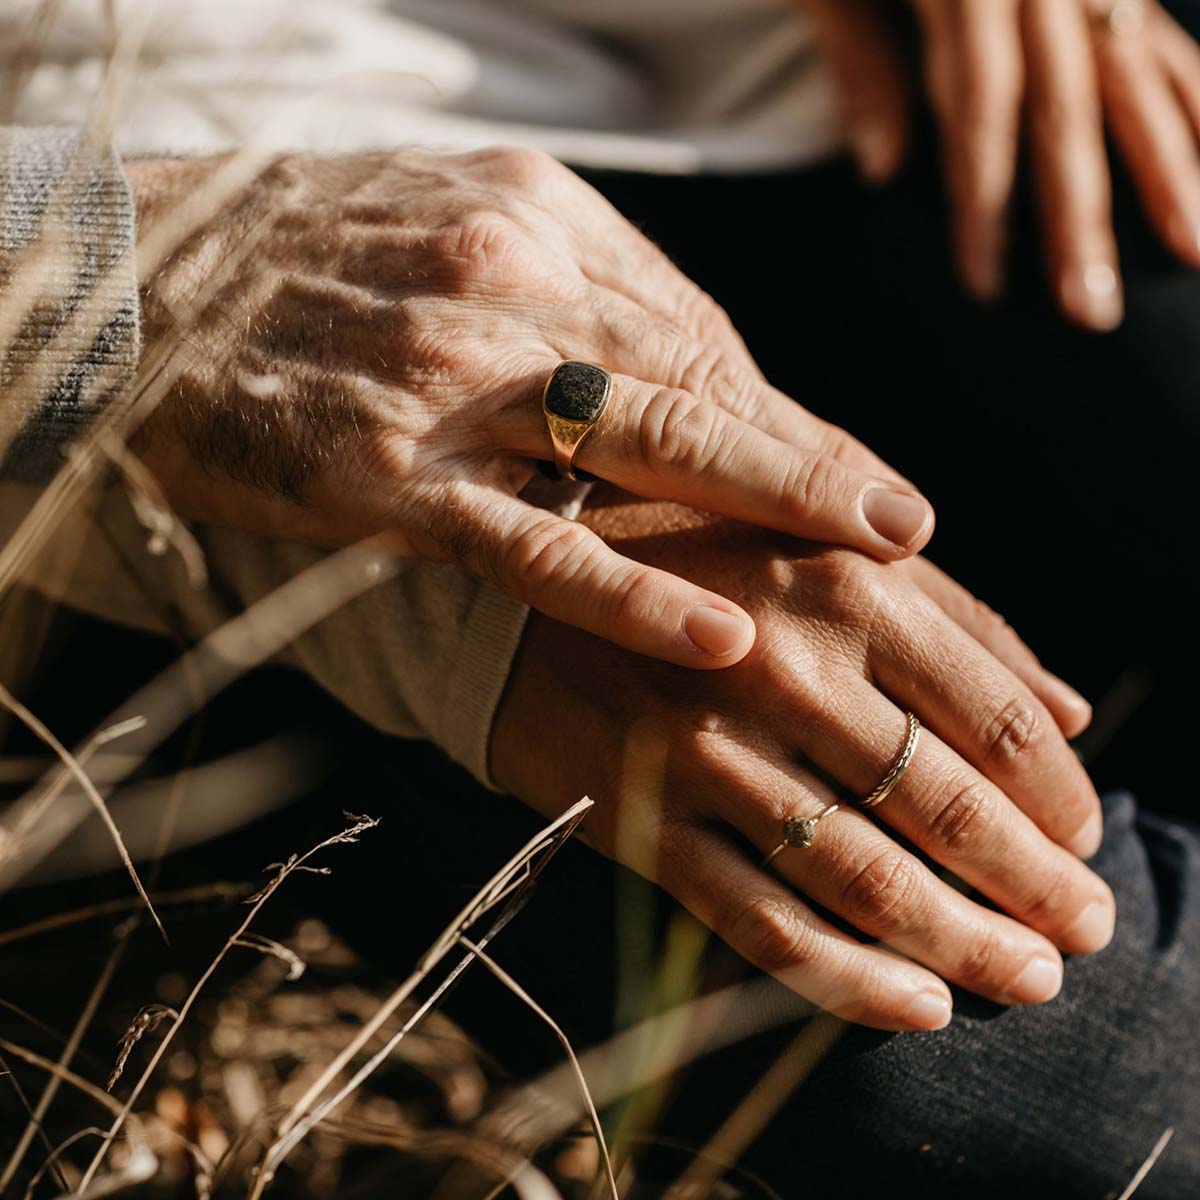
658, 85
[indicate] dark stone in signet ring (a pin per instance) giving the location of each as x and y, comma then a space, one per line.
578, 391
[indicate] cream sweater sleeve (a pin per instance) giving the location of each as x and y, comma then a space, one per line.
425, 653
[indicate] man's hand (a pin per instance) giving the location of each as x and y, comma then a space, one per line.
693, 775
368, 353
1068, 68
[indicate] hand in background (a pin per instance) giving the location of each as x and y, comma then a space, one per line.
1060, 73
693, 775
373, 361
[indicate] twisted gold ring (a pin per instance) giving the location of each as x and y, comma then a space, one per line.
1121, 18
897, 769
799, 832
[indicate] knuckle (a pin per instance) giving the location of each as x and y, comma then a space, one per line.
632, 597
704, 314
881, 895
480, 243
963, 820
519, 167
769, 933
385, 458
545, 551
839, 444
1013, 734
703, 369
710, 373
978, 966
718, 378
677, 433
812, 483
1049, 900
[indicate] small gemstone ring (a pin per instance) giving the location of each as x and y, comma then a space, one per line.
1119, 18
799, 833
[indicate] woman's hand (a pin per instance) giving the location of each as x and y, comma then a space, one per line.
693, 775
369, 352
1069, 68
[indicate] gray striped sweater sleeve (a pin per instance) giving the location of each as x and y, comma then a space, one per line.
69, 340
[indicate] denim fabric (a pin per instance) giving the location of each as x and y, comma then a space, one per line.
1065, 1099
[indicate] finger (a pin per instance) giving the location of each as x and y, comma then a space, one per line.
855, 870
1070, 710
1155, 137
1070, 169
564, 570
985, 713
1180, 58
612, 254
959, 818
647, 297
627, 338
772, 928
975, 69
872, 84
666, 444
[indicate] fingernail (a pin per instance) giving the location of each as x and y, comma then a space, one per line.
1069, 698
1087, 841
897, 516
928, 1010
715, 632
1093, 296
1092, 929
872, 149
1040, 980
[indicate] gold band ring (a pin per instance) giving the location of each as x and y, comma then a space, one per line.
799, 833
899, 766
1121, 18
576, 395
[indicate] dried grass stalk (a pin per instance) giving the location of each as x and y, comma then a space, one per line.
348, 835
146, 1021
508, 883
72, 765
518, 991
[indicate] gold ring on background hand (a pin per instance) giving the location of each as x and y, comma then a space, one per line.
576, 395
1119, 18
799, 833
896, 771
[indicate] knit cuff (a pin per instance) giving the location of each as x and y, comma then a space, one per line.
69, 332
490, 638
